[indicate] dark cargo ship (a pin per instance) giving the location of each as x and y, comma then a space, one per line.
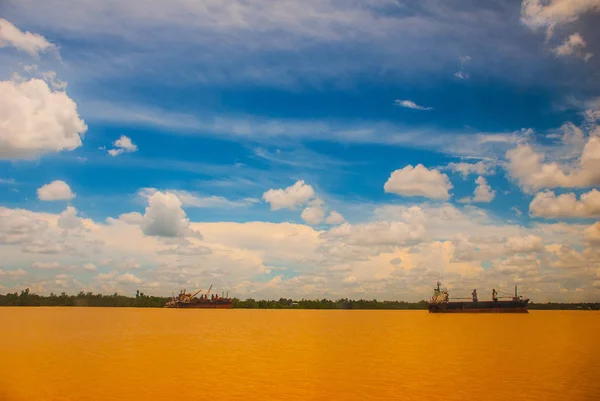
184, 300
440, 303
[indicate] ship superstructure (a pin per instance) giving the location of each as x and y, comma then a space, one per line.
187, 300
440, 303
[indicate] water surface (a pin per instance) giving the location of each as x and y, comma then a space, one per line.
166, 354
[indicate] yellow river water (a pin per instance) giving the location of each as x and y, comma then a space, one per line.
166, 354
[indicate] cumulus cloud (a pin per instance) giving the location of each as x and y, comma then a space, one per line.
419, 181
56, 190
14, 273
465, 169
47, 265
409, 104
334, 218
68, 219
132, 218
547, 204
107, 276
31, 43
128, 263
47, 247
522, 244
314, 213
18, 226
549, 13
573, 45
186, 250
407, 247
532, 173
123, 145
164, 217
383, 233
518, 264
36, 120
89, 267
592, 234
289, 198
483, 191
129, 278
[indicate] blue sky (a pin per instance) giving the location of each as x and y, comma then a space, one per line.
220, 102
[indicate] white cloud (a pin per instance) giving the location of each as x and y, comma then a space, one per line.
47, 265
574, 44
547, 204
523, 244
334, 218
289, 198
236, 126
19, 226
128, 264
129, 278
592, 234
107, 276
132, 218
15, 273
31, 43
47, 247
529, 169
192, 199
483, 191
36, 120
383, 233
164, 217
425, 238
314, 213
89, 267
419, 181
123, 145
461, 74
56, 190
239, 26
68, 219
465, 169
409, 104
50, 77
518, 264
548, 13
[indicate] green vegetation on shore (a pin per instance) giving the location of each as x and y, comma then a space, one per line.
140, 300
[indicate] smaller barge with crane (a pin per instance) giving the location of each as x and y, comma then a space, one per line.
440, 303
185, 300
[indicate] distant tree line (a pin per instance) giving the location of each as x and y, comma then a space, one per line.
26, 298
564, 306
343, 303
141, 300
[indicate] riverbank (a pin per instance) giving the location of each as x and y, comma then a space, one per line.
141, 300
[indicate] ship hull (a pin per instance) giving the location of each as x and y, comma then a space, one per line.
479, 307
200, 306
